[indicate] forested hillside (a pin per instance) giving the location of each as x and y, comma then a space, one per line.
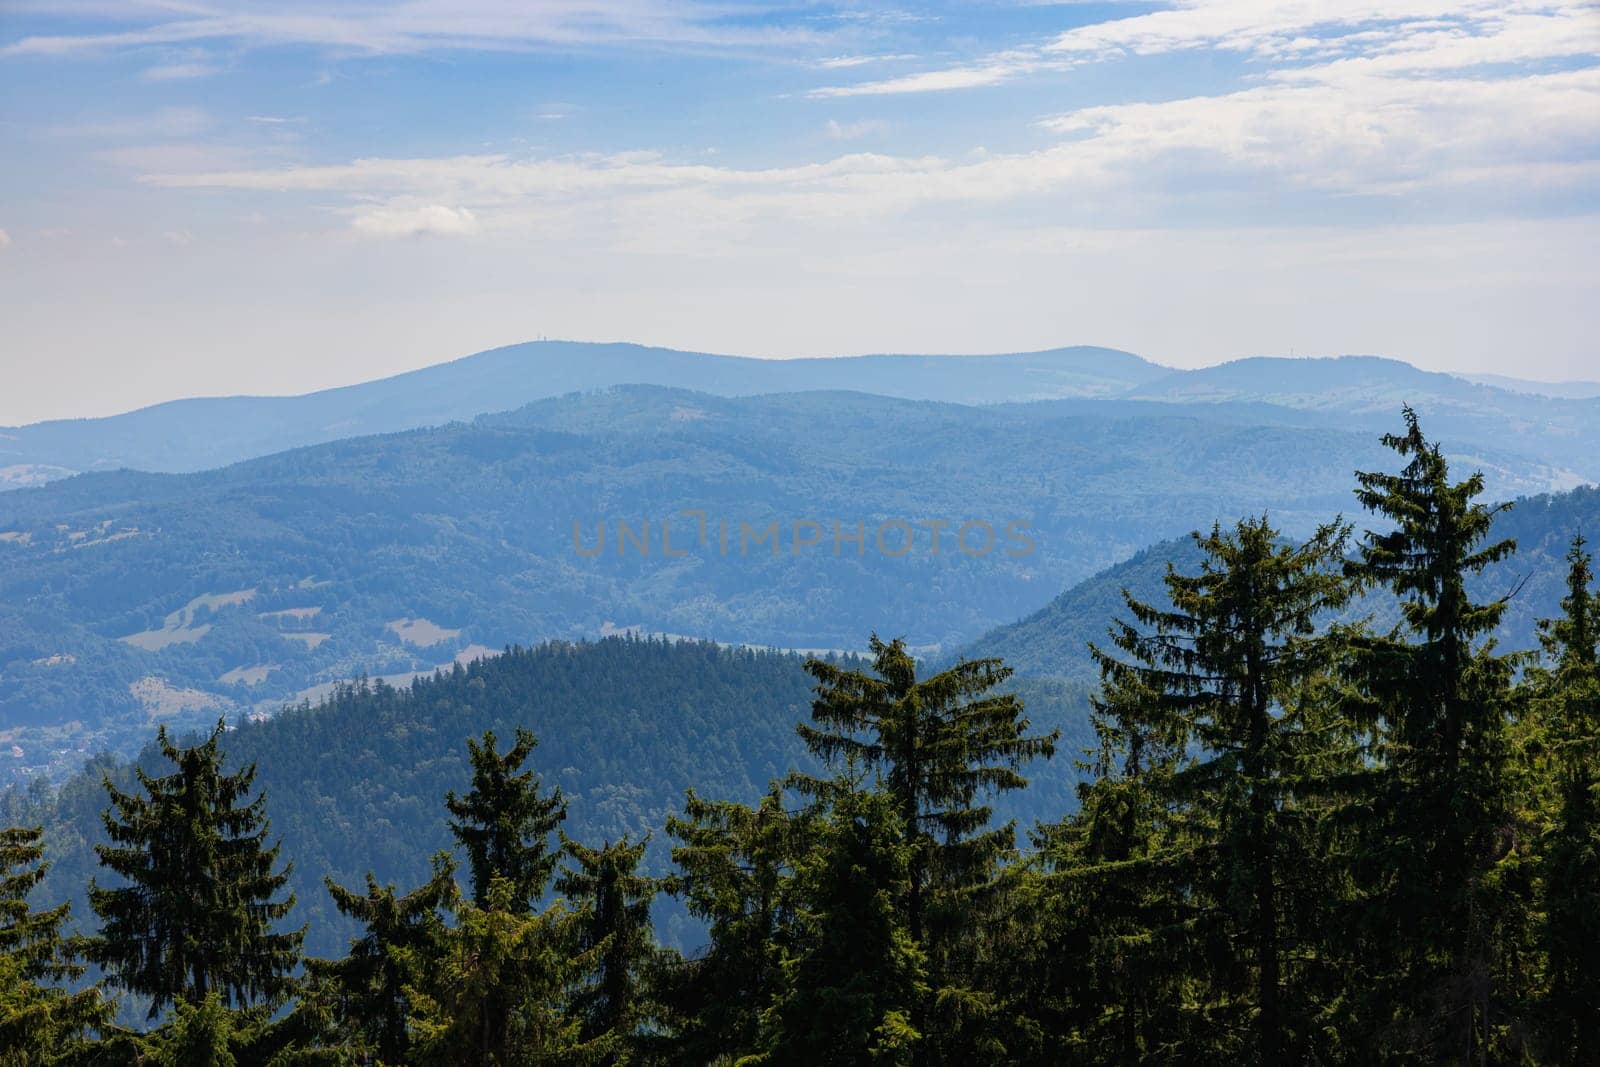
355, 782
132, 598
1299, 839
1054, 641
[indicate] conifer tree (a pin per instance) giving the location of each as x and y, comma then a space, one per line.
1218, 689
505, 821
1438, 700
736, 873
1569, 721
402, 932
611, 904
197, 913
940, 744
853, 974
39, 1023
497, 996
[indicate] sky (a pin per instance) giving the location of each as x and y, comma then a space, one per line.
204, 197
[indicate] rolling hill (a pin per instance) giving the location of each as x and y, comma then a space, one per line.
127, 598
357, 783
1053, 641
202, 433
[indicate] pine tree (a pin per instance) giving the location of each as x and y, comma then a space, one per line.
497, 996
39, 1023
402, 932
1438, 700
197, 914
1569, 718
736, 867
505, 821
611, 902
1208, 833
939, 743
853, 974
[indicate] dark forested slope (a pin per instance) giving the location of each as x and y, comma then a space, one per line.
625, 725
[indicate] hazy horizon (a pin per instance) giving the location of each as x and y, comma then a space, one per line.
277, 198
340, 383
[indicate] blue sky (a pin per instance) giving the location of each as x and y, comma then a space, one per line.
249, 196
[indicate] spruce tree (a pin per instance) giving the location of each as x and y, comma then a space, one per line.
1569, 720
736, 874
853, 974
196, 914
40, 1023
401, 934
505, 821
611, 904
941, 744
1437, 699
497, 996
1220, 690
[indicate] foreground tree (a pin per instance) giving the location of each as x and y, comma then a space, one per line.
940, 744
197, 913
611, 902
853, 975
505, 821
736, 874
40, 1023
1222, 688
497, 996
1437, 700
402, 934
1568, 720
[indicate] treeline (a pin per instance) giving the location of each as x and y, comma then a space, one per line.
1301, 840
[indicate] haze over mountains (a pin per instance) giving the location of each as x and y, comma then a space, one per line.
128, 598
1561, 429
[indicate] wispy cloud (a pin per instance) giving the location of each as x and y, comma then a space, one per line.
845, 62
413, 25
167, 122
1400, 34
5, 238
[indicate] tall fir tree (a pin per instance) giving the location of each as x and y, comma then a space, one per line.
505, 821
196, 914
40, 1022
1568, 717
1222, 689
1438, 700
402, 933
611, 904
942, 745
497, 997
736, 874
853, 974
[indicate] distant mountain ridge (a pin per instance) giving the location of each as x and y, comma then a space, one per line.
204, 433
1343, 392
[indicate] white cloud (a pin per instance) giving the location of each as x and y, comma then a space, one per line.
412, 220
850, 131
1396, 34
5, 238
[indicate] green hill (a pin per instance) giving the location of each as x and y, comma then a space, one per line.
129, 598
625, 726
